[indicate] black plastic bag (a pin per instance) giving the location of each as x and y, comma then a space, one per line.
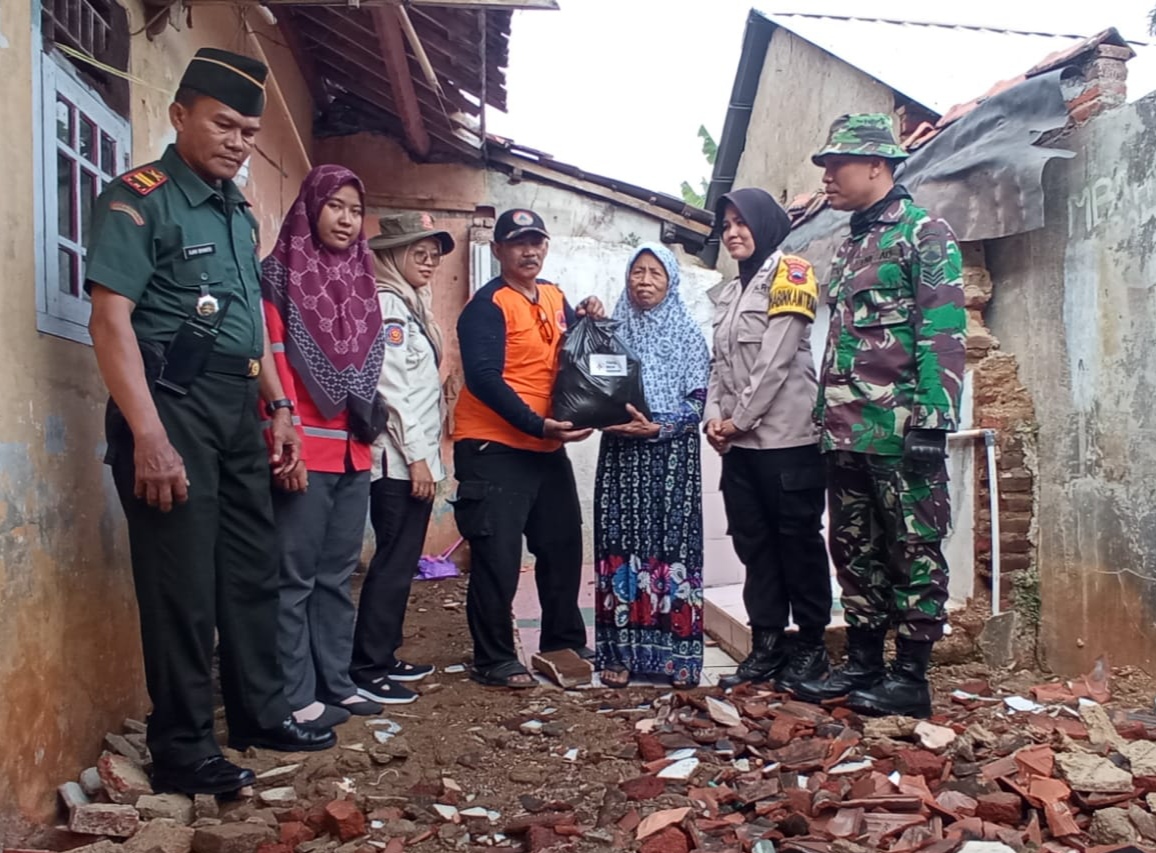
597, 377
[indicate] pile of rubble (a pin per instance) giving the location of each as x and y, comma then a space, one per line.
762, 773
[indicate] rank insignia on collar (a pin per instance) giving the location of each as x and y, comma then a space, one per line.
145, 179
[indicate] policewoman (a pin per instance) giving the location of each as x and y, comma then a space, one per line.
176, 325
758, 415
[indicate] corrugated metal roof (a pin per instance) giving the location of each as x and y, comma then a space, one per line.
936, 65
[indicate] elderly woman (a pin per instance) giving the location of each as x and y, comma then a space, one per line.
648, 490
326, 332
758, 413
407, 456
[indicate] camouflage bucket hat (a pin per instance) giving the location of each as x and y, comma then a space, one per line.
862, 135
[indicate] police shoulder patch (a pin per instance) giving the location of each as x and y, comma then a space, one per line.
144, 180
394, 334
794, 289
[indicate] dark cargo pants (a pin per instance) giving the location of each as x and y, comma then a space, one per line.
503, 494
208, 564
887, 527
774, 509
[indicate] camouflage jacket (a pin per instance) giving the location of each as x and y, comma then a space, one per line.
895, 347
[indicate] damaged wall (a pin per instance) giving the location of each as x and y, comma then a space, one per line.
1076, 303
70, 666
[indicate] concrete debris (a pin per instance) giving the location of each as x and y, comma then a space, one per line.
284, 796
72, 795
934, 737
90, 782
1093, 774
117, 821
241, 837
175, 807
161, 836
124, 780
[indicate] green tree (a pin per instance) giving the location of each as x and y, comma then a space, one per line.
710, 151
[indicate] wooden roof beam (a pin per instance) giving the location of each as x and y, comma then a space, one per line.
387, 22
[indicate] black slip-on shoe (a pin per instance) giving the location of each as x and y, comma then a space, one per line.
385, 691
289, 736
213, 775
405, 672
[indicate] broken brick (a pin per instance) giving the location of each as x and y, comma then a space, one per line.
643, 788
1001, 807
294, 833
231, 838
124, 781
670, 840
345, 820
920, 762
116, 820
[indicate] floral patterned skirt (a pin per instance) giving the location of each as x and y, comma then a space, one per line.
648, 557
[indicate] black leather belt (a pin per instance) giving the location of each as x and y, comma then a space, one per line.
233, 365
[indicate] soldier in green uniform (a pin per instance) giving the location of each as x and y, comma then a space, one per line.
890, 393
173, 274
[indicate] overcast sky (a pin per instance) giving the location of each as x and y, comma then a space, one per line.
620, 87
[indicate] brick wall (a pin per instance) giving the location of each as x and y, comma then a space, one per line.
1001, 403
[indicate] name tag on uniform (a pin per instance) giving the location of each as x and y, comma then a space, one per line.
607, 365
191, 252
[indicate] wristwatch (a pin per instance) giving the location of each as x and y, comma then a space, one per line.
273, 405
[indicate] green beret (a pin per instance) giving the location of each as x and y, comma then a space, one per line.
234, 80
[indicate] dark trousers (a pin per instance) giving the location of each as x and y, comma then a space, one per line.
208, 564
399, 524
319, 533
503, 494
774, 506
887, 529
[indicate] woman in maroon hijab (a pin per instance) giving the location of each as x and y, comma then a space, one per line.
325, 327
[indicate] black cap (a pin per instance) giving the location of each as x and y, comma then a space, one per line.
234, 80
518, 222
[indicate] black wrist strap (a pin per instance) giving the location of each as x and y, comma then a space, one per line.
273, 405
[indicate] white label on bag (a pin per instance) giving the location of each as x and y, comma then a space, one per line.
607, 365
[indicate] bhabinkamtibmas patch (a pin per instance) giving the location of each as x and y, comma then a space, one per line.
794, 290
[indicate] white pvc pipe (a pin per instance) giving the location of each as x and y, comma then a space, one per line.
988, 436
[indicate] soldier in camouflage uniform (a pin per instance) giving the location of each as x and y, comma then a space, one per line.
891, 385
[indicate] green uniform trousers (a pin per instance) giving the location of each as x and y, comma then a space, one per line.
887, 526
208, 564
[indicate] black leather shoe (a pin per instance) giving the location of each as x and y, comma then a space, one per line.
767, 659
290, 736
807, 663
213, 775
863, 669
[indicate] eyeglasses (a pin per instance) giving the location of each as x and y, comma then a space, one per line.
427, 259
545, 327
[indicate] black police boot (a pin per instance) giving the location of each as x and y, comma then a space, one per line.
808, 661
863, 669
767, 659
904, 691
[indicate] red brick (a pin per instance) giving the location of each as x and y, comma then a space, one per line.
541, 838
119, 821
346, 820
650, 748
294, 833
670, 840
643, 788
317, 820
123, 779
920, 762
1002, 807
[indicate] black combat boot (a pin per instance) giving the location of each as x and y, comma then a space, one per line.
905, 690
767, 659
863, 669
808, 661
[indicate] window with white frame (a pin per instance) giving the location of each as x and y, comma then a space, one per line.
84, 145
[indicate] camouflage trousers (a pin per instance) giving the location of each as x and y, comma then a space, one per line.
887, 524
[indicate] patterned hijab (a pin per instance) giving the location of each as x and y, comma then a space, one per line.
327, 300
673, 351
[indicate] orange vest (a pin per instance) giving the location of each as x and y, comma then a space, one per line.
533, 336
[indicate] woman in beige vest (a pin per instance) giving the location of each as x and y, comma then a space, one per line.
758, 416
